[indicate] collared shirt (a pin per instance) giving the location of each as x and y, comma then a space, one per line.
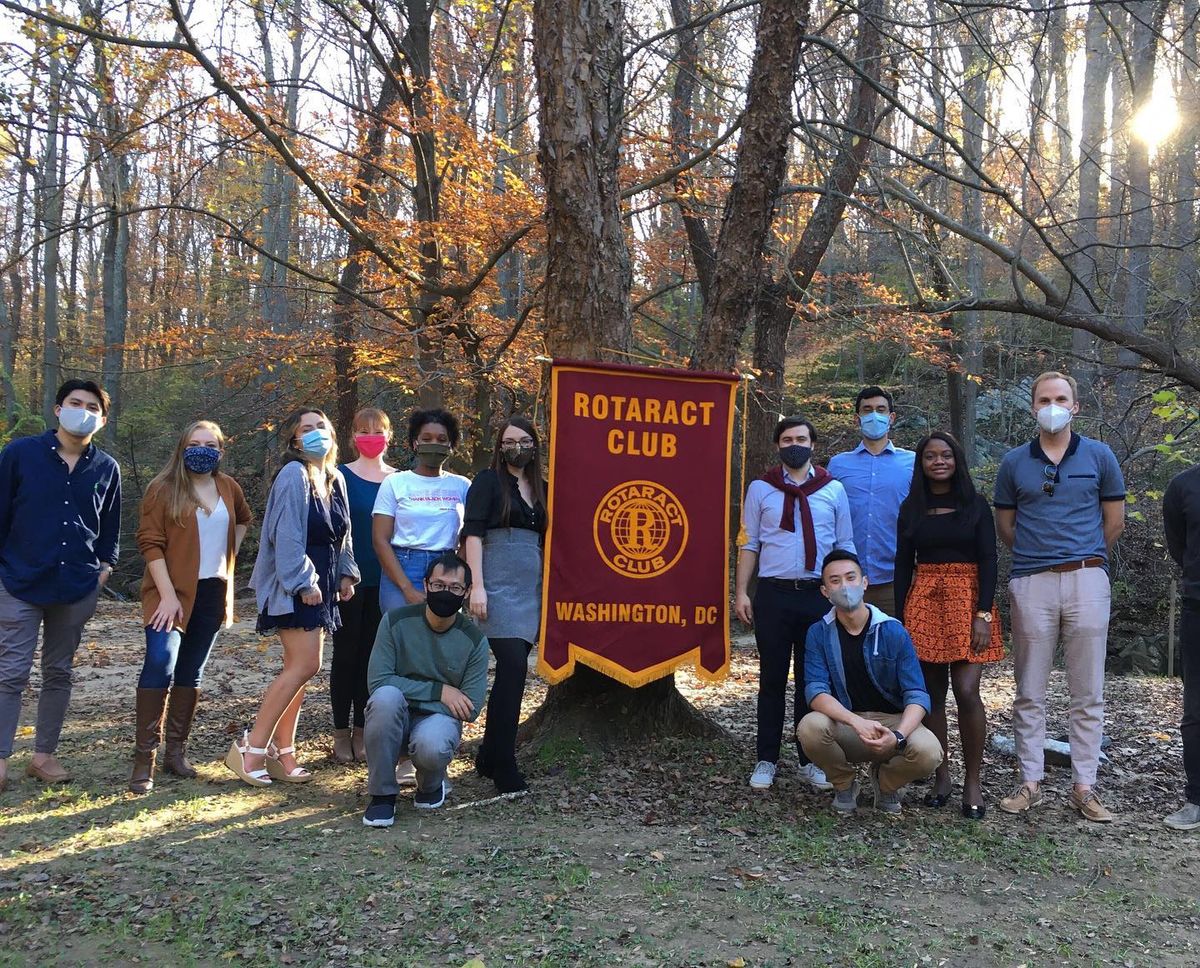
875, 485
56, 525
1068, 525
781, 553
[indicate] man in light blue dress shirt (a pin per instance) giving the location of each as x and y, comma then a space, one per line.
792, 517
876, 476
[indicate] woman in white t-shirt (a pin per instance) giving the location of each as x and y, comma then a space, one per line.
419, 513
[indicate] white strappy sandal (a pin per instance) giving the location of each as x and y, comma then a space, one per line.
275, 768
234, 760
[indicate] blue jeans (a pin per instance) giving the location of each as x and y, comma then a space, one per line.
175, 658
413, 562
431, 739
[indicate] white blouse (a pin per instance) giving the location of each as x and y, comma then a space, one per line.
214, 540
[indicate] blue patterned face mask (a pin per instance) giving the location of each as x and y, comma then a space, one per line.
875, 426
201, 460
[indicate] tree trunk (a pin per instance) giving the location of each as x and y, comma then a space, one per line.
51, 190
578, 61
1187, 93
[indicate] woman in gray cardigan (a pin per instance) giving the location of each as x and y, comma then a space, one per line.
305, 565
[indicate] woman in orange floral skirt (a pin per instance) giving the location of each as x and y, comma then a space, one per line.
945, 585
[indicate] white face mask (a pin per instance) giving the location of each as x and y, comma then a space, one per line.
1052, 418
78, 420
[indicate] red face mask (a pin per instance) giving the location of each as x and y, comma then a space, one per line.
370, 445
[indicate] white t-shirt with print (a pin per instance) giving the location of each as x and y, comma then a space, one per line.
428, 511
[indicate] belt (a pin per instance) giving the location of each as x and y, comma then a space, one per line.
1076, 565
794, 583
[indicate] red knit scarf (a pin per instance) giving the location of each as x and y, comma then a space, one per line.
792, 494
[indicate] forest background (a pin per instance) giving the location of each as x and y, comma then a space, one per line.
228, 209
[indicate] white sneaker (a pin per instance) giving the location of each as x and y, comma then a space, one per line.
406, 774
763, 776
815, 777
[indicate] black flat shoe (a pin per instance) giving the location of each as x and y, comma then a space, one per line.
509, 779
973, 811
935, 801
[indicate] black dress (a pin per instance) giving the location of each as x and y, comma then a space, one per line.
327, 526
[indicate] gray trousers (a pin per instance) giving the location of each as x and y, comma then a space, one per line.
62, 626
431, 739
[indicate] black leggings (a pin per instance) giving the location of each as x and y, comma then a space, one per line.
504, 702
352, 645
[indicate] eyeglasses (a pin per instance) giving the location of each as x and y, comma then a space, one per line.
525, 444
441, 586
1051, 471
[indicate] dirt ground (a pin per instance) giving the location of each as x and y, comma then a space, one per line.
663, 859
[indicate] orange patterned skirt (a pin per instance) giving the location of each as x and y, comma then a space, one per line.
939, 614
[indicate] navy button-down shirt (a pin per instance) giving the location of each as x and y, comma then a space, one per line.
56, 525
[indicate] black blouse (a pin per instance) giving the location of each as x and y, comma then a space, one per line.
941, 539
483, 506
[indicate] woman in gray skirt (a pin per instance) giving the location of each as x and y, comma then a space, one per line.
503, 526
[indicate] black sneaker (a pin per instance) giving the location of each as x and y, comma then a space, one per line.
430, 799
381, 812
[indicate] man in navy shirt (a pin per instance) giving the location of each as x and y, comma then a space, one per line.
60, 518
1060, 506
876, 476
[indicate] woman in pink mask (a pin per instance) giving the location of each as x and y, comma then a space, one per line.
360, 616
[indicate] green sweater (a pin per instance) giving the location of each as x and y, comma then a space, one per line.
418, 661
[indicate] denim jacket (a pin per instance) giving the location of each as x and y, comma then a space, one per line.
891, 662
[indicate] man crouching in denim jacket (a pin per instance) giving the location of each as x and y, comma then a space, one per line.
864, 685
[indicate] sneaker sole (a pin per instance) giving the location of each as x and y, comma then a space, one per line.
761, 786
378, 823
1182, 826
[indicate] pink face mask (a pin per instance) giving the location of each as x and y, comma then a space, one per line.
370, 445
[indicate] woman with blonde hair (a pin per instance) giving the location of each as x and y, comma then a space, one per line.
352, 643
193, 520
305, 565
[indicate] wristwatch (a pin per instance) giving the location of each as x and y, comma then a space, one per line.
986, 616
901, 739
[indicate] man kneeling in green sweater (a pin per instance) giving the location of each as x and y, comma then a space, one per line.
427, 676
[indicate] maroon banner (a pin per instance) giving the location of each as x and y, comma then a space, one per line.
636, 572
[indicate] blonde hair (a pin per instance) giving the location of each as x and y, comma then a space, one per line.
175, 479
1054, 375
291, 452
368, 415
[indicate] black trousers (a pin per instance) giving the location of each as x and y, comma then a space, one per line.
352, 645
1189, 647
782, 617
499, 744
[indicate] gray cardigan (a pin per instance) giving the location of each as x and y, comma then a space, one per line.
283, 568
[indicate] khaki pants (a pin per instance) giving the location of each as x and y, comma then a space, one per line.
835, 748
883, 597
1073, 606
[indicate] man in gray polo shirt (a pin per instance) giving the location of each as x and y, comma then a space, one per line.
1060, 506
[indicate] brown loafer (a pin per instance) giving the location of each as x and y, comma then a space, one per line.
1022, 799
1090, 807
49, 772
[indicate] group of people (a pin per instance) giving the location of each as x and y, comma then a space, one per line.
903, 547
876, 580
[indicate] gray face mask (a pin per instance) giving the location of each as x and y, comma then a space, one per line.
432, 455
848, 597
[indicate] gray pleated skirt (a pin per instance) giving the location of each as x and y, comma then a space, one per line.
512, 575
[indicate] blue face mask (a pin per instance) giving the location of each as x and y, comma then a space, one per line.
317, 442
875, 426
201, 460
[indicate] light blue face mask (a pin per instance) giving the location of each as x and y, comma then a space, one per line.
875, 426
316, 442
848, 597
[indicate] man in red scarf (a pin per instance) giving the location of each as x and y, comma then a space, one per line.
793, 516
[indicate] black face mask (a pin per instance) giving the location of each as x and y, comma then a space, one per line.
432, 455
795, 456
518, 456
444, 604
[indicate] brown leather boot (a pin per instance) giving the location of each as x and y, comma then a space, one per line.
180, 713
358, 743
343, 750
150, 705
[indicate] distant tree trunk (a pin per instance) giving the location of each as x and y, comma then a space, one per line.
51, 190
1187, 93
1147, 17
1083, 295
578, 61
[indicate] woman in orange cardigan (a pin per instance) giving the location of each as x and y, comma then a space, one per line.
192, 523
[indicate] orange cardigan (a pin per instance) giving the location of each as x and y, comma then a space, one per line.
159, 537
